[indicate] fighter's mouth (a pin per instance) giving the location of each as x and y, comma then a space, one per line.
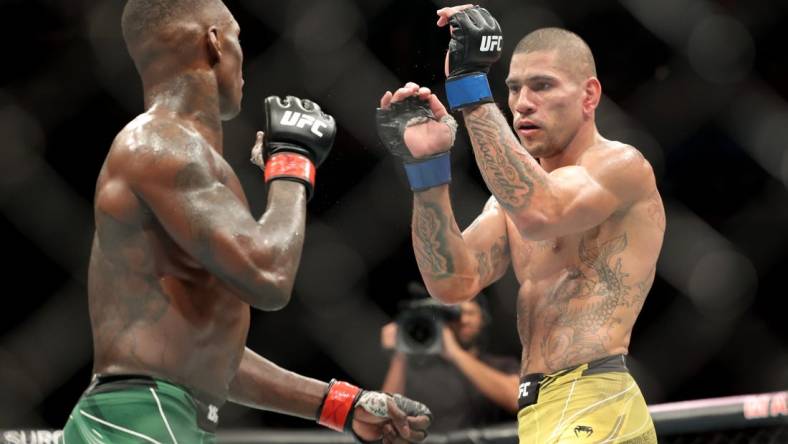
527, 125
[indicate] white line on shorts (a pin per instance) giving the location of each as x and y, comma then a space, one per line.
590, 407
123, 429
563, 412
175, 441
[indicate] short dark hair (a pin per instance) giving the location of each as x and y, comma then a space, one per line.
146, 17
572, 49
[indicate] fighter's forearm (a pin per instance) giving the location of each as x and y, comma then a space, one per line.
499, 387
283, 226
445, 262
512, 175
261, 384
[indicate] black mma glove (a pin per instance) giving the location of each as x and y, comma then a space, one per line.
423, 173
298, 138
476, 42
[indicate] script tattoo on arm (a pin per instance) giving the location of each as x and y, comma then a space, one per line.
432, 231
510, 173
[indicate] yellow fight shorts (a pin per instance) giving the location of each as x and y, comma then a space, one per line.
597, 402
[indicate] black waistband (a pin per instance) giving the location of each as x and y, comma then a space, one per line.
613, 363
109, 383
532, 382
206, 406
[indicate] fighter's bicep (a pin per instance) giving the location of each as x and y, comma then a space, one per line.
199, 212
488, 241
582, 201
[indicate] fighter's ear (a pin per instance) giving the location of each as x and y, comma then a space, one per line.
214, 45
592, 94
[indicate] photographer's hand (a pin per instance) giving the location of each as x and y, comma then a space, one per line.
451, 348
388, 336
499, 387
395, 377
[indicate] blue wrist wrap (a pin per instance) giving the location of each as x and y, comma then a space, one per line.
429, 173
467, 90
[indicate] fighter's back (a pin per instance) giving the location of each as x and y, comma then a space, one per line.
152, 305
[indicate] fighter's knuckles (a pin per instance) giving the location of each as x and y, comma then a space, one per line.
309, 105
411, 407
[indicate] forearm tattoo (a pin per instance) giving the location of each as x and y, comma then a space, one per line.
510, 175
432, 230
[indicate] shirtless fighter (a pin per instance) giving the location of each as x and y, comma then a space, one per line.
577, 216
177, 258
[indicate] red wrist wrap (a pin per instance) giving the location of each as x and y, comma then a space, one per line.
338, 404
291, 166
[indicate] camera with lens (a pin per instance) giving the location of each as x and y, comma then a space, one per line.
420, 326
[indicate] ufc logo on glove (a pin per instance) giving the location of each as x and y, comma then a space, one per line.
490, 43
298, 120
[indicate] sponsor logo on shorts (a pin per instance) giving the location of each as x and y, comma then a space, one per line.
583, 431
298, 120
490, 43
213, 414
524, 389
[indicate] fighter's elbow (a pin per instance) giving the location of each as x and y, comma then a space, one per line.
276, 303
268, 283
261, 272
452, 293
272, 270
271, 291
448, 298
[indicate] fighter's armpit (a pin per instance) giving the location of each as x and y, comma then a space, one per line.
487, 237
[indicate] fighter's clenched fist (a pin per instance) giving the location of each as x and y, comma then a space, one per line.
414, 125
476, 43
298, 138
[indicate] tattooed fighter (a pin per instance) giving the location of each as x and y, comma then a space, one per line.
577, 216
178, 259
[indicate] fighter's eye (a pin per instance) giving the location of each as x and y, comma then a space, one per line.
542, 86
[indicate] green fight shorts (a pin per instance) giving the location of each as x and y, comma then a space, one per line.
597, 402
120, 409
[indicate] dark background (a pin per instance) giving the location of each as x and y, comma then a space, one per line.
698, 86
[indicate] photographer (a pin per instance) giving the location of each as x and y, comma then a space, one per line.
464, 386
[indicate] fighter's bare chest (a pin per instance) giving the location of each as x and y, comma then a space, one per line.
543, 259
536, 260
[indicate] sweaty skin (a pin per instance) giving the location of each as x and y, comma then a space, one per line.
578, 217
154, 309
177, 259
580, 293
